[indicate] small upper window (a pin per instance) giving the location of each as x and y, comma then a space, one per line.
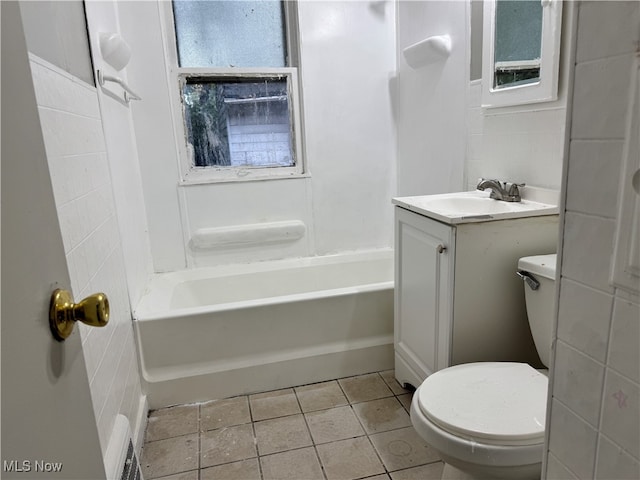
237, 93
230, 34
518, 43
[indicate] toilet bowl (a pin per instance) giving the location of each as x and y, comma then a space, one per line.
487, 419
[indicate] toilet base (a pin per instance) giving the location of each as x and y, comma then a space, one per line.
528, 472
449, 472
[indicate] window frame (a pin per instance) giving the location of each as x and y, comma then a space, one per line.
177, 76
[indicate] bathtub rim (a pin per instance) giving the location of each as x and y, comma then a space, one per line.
261, 302
160, 286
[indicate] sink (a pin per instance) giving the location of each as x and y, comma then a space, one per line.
471, 205
476, 206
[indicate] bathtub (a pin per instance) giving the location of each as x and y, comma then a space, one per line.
217, 332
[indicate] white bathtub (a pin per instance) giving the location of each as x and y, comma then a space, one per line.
216, 332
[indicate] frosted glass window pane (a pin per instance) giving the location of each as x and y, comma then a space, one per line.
518, 42
230, 33
519, 30
238, 123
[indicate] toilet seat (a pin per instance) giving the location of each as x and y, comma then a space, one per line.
499, 403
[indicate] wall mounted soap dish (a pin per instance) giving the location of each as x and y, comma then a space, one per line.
427, 51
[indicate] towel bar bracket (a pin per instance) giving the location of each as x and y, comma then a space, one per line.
128, 93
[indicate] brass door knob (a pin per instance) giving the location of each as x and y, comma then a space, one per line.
63, 313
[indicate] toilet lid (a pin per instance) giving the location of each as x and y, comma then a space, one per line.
492, 402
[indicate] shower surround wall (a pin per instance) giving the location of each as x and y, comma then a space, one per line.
594, 427
430, 101
347, 64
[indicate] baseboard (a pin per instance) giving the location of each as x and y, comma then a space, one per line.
405, 374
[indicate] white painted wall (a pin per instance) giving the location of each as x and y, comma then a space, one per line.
347, 64
524, 143
82, 184
594, 428
431, 103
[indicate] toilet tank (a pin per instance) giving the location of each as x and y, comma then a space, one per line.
540, 301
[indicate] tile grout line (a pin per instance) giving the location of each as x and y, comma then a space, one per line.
386, 470
255, 437
199, 440
313, 443
255, 444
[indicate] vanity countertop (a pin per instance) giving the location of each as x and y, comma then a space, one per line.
476, 206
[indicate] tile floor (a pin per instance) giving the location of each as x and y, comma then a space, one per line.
345, 429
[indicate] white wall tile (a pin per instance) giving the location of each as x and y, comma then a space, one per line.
607, 28
528, 121
572, 440
557, 471
578, 382
99, 342
92, 355
68, 134
61, 91
132, 395
543, 164
588, 243
621, 412
594, 173
600, 98
600, 108
624, 347
526, 147
585, 314
615, 463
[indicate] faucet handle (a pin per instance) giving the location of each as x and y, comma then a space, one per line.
512, 190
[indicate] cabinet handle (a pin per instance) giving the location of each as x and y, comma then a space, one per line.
441, 248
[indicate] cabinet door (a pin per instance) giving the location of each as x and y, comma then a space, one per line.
423, 292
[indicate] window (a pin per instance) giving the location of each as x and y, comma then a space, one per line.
234, 77
518, 43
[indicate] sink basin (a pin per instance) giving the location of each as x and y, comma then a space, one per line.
476, 206
472, 205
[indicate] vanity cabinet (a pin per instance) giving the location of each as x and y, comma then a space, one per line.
457, 296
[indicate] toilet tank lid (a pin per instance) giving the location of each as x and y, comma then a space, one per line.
543, 265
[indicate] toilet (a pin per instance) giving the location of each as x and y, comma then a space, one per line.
487, 419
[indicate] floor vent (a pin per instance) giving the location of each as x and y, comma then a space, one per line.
131, 470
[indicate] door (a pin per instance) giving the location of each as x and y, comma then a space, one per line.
423, 294
48, 425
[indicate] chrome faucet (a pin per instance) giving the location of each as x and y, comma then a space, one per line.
505, 191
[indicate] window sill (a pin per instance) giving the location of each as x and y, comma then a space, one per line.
202, 180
